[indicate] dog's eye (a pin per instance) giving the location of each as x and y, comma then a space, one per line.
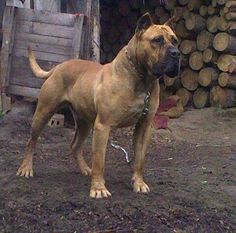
158, 40
174, 41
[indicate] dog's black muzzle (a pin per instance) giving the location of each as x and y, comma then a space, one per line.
170, 66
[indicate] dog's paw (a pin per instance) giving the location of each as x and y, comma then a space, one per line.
86, 171
98, 190
140, 186
25, 170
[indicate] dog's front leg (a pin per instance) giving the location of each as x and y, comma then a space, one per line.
142, 134
100, 138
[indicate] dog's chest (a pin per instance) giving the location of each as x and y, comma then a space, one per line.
132, 109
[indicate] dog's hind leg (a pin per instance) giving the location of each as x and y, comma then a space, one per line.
82, 132
46, 107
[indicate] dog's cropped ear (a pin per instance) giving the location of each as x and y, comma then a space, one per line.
170, 22
144, 22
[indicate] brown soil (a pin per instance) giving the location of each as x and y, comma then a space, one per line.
191, 170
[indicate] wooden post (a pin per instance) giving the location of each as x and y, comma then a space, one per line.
95, 31
76, 43
7, 44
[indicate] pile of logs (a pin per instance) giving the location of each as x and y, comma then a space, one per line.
207, 33
118, 22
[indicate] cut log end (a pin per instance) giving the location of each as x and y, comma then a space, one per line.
201, 98
196, 60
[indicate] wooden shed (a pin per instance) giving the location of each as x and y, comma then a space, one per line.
54, 37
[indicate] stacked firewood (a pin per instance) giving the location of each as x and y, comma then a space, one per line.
207, 30
207, 33
118, 22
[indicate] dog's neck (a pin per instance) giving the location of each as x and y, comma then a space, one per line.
126, 62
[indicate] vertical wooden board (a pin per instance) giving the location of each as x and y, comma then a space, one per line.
8, 35
76, 42
87, 46
95, 31
83, 7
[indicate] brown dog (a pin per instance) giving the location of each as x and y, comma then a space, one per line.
122, 93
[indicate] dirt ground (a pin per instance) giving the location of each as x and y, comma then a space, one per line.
190, 168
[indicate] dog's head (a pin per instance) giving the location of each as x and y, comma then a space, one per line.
156, 47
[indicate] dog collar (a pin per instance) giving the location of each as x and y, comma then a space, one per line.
131, 63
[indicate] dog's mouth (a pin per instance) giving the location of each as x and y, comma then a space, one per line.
171, 69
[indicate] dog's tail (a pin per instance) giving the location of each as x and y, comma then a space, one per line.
37, 70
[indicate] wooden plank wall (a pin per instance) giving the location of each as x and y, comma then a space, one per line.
49, 5
54, 38
50, 37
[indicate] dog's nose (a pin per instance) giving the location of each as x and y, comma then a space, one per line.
174, 52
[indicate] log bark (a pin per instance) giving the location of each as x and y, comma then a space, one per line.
210, 56
201, 98
227, 80
185, 96
189, 79
222, 97
212, 24
224, 61
184, 60
188, 46
208, 76
195, 23
196, 60
204, 40
232, 28
224, 42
